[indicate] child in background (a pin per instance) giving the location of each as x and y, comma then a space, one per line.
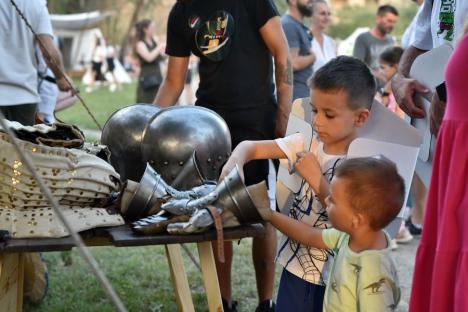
366, 194
389, 60
342, 92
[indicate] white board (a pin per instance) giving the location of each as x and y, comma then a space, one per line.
428, 69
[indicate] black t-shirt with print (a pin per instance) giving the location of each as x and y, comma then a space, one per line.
236, 67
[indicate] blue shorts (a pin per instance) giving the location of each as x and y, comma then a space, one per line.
296, 294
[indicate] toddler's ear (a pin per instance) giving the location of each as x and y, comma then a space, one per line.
358, 220
361, 117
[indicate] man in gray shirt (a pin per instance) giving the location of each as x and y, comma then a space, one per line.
18, 68
299, 41
371, 44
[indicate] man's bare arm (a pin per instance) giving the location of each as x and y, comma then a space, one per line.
273, 36
173, 83
53, 59
407, 60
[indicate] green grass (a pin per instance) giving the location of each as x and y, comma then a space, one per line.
140, 276
101, 103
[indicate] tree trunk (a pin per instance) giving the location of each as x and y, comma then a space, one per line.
125, 40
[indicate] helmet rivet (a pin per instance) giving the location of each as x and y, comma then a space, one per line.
166, 163
181, 163
220, 157
208, 160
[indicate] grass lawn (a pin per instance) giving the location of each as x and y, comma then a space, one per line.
140, 275
101, 103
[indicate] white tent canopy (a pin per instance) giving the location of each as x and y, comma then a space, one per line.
79, 21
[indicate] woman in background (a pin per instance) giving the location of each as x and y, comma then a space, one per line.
323, 46
150, 55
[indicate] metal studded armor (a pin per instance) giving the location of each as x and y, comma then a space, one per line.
176, 132
123, 133
82, 183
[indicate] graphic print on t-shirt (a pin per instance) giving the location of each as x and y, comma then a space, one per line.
214, 36
446, 19
309, 263
194, 22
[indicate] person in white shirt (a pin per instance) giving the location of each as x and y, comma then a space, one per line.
18, 68
409, 35
439, 22
323, 46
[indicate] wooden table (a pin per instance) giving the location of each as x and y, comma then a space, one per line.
11, 259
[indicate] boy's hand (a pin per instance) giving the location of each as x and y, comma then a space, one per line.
231, 164
308, 167
265, 213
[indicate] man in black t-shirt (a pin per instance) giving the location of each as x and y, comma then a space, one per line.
237, 42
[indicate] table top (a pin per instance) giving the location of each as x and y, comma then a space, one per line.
123, 236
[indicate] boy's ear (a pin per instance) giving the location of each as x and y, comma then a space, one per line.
361, 117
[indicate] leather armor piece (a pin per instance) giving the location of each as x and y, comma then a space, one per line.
55, 135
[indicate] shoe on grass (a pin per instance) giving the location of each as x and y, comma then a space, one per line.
229, 307
266, 306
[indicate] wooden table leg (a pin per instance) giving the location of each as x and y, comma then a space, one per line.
11, 282
179, 278
210, 276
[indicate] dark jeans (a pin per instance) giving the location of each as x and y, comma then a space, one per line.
23, 113
298, 295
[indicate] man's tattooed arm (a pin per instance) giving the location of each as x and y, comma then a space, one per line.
274, 38
284, 83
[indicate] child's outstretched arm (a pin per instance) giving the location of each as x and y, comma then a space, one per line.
251, 150
296, 230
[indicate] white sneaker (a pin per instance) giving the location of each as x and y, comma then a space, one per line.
403, 236
393, 244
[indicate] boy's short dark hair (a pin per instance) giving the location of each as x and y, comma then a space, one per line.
386, 8
374, 188
391, 56
350, 75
